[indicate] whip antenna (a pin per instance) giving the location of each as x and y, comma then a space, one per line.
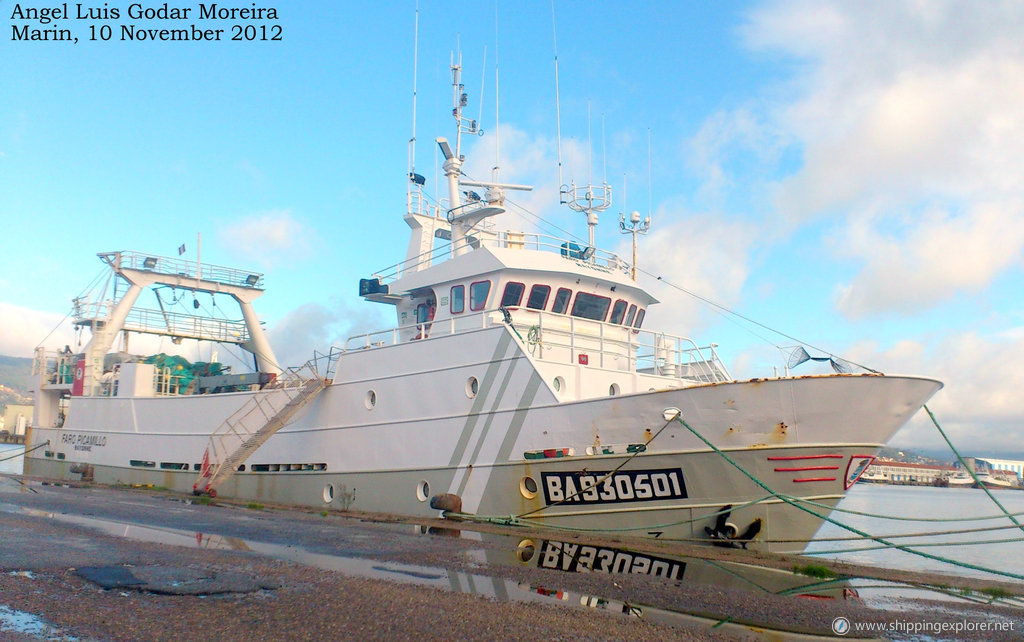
558, 109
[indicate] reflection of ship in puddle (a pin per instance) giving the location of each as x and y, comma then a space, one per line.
549, 554
576, 558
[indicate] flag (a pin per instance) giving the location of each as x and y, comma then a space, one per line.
181, 250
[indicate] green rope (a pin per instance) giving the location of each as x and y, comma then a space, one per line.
1009, 540
22, 454
960, 531
906, 519
967, 468
600, 481
826, 518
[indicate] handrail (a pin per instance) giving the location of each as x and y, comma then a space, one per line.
134, 260
563, 338
568, 248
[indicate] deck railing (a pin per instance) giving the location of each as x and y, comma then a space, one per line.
568, 248
130, 259
567, 339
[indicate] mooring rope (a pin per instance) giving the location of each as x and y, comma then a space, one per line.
625, 461
828, 519
25, 452
903, 518
968, 469
1008, 540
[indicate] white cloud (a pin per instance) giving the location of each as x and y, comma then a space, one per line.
24, 329
724, 137
933, 259
268, 238
702, 253
979, 408
316, 327
904, 110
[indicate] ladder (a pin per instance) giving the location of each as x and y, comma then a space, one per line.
259, 419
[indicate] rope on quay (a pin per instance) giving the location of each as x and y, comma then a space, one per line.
826, 518
968, 469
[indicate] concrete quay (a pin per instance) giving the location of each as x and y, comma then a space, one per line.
90, 562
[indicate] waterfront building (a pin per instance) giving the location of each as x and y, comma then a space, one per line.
897, 472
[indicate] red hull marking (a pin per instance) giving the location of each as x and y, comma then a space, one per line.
803, 468
814, 479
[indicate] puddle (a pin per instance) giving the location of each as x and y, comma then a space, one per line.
15, 621
502, 550
494, 550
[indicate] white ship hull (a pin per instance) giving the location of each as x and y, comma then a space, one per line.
425, 435
519, 383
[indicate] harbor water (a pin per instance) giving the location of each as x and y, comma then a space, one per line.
12, 459
1000, 547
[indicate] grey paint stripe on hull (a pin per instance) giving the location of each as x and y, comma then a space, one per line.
499, 395
478, 402
519, 417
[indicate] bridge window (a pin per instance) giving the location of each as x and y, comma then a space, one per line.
630, 315
639, 318
478, 295
513, 295
618, 312
458, 299
538, 297
561, 303
591, 306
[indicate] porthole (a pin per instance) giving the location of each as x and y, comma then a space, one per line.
423, 491
328, 493
525, 550
613, 390
558, 384
371, 399
472, 387
528, 487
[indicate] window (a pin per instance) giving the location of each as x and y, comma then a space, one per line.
590, 306
639, 319
422, 313
513, 295
458, 300
630, 315
478, 295
538, 297
618, 312
561, 300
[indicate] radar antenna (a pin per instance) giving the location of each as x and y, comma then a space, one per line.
590, 199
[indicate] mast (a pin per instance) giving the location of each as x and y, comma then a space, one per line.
463, 215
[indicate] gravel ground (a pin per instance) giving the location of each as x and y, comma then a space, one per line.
118, 564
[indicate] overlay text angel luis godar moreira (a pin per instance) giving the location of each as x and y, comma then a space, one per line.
142, 22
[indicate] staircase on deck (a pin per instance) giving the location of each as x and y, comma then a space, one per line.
259, 419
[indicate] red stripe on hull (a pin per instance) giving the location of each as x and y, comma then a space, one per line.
803, 468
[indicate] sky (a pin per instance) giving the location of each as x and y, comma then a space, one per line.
847, 174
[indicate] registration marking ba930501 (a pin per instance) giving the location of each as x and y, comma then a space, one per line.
598, 487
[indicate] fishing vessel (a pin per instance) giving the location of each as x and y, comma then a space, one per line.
519, 383
990, 477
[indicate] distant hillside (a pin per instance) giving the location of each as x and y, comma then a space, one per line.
15, 379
